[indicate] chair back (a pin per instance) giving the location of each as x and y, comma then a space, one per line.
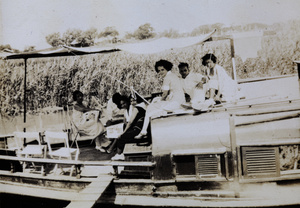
52, 137
21, 138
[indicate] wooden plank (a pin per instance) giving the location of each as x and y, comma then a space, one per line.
264, 120
199, 151
135, 149
78, 162
89, 196
36, 191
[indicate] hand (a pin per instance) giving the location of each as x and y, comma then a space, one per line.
218, 97
204, 79
199, 85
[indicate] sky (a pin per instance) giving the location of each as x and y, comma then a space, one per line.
27, 22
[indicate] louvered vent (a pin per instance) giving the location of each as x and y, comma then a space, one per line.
208, 165
260, 161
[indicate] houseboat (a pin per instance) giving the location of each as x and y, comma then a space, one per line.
241, 154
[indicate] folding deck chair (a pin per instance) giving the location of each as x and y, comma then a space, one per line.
65, 152
30, 150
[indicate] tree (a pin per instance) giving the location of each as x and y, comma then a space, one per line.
29, 49
70, 35
144, 32
5, 47
88, 37
54, 39
109, 31
171, 33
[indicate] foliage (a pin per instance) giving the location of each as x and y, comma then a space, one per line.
109, 31
8, 48
70, 35
145, 31
54, 39
83, 39
51, 81
29, 49
87, 38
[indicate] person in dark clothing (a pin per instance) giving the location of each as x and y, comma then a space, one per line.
133, 123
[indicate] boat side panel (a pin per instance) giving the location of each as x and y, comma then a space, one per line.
208, 130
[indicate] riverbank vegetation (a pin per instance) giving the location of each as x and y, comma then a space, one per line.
51, 81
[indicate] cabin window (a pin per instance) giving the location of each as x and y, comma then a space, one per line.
289, 156
270, 161
185, 165
208, 165
260, 161
200, 166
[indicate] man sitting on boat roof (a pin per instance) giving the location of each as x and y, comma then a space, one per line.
192, 83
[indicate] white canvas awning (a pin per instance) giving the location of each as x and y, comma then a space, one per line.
143, 47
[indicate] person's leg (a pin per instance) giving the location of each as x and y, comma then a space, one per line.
127, 137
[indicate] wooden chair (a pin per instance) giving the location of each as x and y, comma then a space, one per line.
65, 152
30, 150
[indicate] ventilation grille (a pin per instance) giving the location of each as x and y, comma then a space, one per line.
260, 161
208, 165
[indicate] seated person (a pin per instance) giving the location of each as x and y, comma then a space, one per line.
133, 122
220, 86
87, 121
172, 96
192, 83
113, 113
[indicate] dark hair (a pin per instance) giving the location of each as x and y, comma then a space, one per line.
207, 57
116, 98
166, 64
183, 64
124, 98
76, 93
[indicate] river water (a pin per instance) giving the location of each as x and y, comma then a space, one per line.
38, 122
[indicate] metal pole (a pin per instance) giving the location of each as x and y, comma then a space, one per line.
25, 78
233, 59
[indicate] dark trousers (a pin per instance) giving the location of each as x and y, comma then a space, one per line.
128, 137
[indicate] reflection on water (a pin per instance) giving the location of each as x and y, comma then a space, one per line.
38, 122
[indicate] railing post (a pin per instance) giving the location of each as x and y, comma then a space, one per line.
298, 69
234, 156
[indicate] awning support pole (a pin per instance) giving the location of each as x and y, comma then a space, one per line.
25, 97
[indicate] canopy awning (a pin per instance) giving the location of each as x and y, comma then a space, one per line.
145, 47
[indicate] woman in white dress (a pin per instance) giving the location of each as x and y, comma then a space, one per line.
172, 95
220, 86
87, 121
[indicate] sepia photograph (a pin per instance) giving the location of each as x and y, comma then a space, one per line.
149, 103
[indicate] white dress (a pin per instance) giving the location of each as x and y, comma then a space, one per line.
88, 123
175, 98
222, 82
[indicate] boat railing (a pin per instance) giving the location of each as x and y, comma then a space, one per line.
78, 164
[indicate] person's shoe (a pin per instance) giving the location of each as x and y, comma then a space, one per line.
101, 149
210, 102
140, 135
118, 157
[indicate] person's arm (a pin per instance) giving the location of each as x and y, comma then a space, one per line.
220, 85
166, 87
131, 119
201, 80
165, 94
83, 109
